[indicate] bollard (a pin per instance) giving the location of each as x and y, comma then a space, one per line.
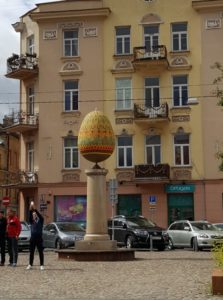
151, 242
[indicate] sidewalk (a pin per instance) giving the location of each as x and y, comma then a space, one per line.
169, 275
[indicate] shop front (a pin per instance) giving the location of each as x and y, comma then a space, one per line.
180, 202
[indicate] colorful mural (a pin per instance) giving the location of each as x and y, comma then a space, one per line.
70, 208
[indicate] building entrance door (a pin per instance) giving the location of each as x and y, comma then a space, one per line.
180, 207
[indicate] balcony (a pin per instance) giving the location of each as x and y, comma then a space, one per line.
152, 172
147, 114
154, 59
22, 67
19, 179
21, 122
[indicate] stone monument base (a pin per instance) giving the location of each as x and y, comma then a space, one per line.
97, 255
96, 245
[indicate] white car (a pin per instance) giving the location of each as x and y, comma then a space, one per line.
219, 225
193, 234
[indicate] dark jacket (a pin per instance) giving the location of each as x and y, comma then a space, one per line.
3, 225
36, 225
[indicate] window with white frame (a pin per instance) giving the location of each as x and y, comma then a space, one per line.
180, 90
70, 42
71, 156
179, 37
124, 150
30, 100
30, 156
151, 38
71, 95
152, 92
153, 149
123, 93
122, 40
30, 44
181, 149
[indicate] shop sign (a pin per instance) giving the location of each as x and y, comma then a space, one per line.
179, 188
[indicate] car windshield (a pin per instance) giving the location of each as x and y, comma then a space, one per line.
203, 226
140, 222
69, 227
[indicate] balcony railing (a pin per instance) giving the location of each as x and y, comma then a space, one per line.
22, 66
149, 112
145, 53
21, 121
155, 172
21, 177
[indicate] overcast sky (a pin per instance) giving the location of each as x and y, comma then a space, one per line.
10, 11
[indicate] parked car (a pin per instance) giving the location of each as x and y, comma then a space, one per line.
136, 231
219, 225
62, 234
193, 234
24, 237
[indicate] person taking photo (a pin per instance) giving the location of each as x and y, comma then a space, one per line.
36, 241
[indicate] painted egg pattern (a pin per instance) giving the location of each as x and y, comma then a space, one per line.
96, 140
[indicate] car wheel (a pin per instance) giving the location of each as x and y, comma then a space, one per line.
195, 244
170, 244
129, 242
58, 244
161, 248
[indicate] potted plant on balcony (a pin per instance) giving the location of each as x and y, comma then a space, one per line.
217, 273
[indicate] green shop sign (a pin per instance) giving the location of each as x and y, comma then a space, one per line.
179, 188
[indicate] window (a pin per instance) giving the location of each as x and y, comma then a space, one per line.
181, 149
30, 156
30, 44
123, 94
124, 151
151, 39
71, 95
153, 149
179, 37
180, 90
71, 157
122, 40
70, 42
152, 92
30, 101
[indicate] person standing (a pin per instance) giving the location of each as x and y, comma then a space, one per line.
36, 241
13, 232
3, 225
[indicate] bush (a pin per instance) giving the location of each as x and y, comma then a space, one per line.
217, 252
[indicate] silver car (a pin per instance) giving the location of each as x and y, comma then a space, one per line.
193, 234
219, 225
24, 237
62, 234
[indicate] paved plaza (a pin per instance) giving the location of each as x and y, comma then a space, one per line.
172, 275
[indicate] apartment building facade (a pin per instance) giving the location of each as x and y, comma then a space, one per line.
141, 65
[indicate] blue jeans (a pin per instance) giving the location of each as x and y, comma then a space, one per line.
13, 250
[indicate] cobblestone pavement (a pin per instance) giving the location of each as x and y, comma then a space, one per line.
168, 275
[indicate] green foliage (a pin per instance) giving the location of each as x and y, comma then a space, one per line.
218, 80
217, 252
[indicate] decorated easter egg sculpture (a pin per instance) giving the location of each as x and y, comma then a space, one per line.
96, 140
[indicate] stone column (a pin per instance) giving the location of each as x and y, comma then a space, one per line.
96, 237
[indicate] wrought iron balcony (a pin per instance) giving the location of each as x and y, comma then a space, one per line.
153, 172
142, 112
154, 57
21, 121
24, 178
22, 66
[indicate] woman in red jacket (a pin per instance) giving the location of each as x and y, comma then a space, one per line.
13, 232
